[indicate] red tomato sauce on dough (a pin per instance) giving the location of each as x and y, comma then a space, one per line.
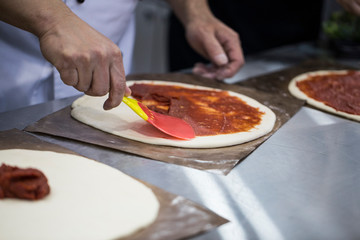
339, 91
209, 112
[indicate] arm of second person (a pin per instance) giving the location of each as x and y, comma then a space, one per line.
210, 38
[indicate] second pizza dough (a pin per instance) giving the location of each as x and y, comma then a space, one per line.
88, 200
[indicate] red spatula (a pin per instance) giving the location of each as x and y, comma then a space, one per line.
172, 126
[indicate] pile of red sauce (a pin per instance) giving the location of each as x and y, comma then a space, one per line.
23, 183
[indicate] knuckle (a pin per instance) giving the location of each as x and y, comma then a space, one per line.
100, 91
65, 63
96, 92
100, 53
117, 56
71, 59
236, 35
84, 58
68, 77
82, 88
203, 31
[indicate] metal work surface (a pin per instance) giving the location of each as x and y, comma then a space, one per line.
302, 183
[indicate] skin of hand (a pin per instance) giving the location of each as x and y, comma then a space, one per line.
218, 43
85, 58
352, 6
210, 38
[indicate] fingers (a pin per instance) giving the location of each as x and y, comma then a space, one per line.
97, 76
69, 76
100, 81
230, 42
220, 44
214, 51
117, 86
220, 59
230, 45
85, 72
210, 71
234, 52
127, 91
89, 77
207, 71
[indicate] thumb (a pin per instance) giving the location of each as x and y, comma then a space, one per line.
215, 51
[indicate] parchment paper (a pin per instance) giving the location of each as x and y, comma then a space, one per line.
217, 160
178, 217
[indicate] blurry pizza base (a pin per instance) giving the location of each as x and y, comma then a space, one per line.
296, 92
123, 122
87, 200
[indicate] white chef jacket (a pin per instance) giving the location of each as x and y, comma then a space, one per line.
26, 78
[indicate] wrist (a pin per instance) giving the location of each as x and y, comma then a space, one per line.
47, 19
189, 11
35, 16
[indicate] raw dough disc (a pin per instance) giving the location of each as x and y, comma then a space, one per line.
123, 122
296, 92
88, 200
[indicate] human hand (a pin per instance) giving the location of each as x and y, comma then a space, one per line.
352, 6
217, 42
86, 59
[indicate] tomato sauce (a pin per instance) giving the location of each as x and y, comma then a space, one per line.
23, 183
339, 91
209, 112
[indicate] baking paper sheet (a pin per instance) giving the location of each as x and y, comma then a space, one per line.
178, 217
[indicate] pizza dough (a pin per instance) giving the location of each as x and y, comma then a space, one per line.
295, 91
123, 122
88, 200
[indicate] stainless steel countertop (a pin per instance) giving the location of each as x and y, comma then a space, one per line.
302, 183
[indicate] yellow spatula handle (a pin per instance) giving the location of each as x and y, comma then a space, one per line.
133, 104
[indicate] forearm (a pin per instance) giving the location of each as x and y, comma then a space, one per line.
190, 10
35, 16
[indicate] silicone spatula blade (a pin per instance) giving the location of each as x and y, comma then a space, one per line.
172, 126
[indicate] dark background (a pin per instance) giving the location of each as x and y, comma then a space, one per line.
261, 24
